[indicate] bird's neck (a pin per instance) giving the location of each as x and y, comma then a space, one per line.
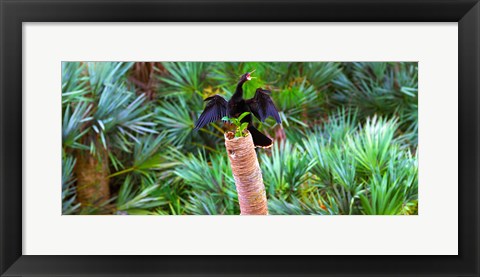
239, 91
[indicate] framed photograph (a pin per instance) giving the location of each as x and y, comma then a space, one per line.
230, 138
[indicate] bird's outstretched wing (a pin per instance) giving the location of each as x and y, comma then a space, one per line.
215, 110
262, 105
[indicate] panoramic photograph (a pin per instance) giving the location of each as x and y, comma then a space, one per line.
239, 138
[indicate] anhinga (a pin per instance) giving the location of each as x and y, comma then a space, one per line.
261, 105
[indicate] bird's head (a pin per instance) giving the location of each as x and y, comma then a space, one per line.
247, 76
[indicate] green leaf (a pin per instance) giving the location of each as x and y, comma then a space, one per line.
243, 126
243, 115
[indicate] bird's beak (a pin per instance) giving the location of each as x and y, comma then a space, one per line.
250, 77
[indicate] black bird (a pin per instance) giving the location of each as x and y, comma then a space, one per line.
261, 105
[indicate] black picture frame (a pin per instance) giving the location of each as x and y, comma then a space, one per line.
15, 12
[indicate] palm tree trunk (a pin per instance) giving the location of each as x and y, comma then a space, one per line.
247, 175
92, 173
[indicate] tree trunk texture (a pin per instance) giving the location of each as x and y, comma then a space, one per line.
247, 175
92, 173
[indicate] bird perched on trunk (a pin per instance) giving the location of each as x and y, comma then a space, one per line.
261, 105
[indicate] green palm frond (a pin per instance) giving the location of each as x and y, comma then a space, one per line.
68, 189
312, 204
201, 203
317, 150
285, 170
345, 186
321, 74
372, 147
378, 88
102, 74
184, 78
120, 115
175, 193
150, 154
296, 103
74, 83
73, 124
334, 170
340, 124
385, 196
211, 175
176, 120
135, 200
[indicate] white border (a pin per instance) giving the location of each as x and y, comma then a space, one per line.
433, 232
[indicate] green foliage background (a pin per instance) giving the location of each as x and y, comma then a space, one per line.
349, 147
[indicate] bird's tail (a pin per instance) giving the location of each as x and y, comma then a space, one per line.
259, 139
